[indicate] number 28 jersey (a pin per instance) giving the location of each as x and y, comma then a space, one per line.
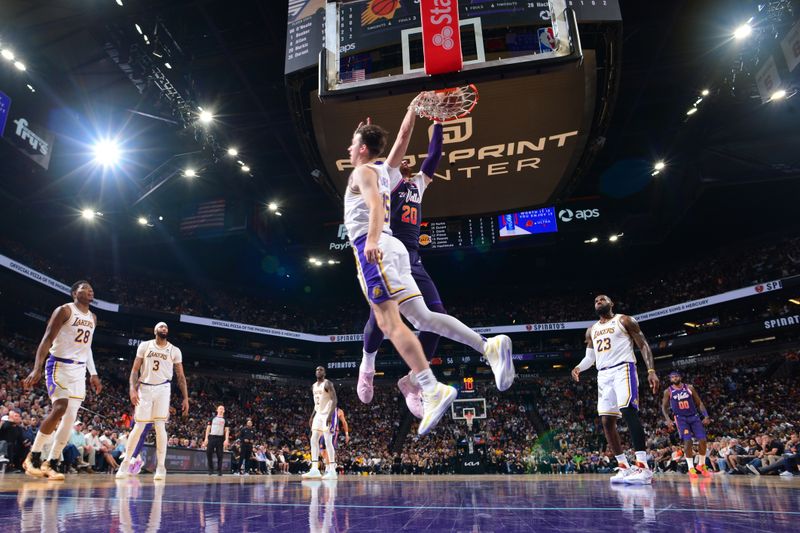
158, 362
612, 344
74, 339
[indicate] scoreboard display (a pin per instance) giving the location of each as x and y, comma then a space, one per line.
468, 232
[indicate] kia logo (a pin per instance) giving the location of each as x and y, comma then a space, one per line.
568, 215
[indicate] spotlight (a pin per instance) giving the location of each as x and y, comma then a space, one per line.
331, 262
705, 92
189, 173
8, 54
206, 117
87, 214
591, 241
742, 31
778, 95
20, 65
312, 259
245, 168
233, 152
106, 153
168, 66
31, 88
614, 238
139, 29
142, 221
659, 165
692, 111
272, 206
160, 218
119, 2
278, 214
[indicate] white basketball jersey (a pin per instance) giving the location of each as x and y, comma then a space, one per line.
612, 344
323, 403
356, 212
158, 362
74, 339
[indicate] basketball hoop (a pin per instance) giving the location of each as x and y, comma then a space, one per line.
446, 104
469, 418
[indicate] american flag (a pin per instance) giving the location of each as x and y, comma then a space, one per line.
350, 76
207, 215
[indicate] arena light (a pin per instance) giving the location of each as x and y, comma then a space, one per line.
139, 29
278, 214
206, 116
233, 152
795, 301
591, 241
705, 92
160, 218
119, 3
189, 173
780, 94
659, 165
88, 214
168, 65
20, 65
692, 111
31, 88
106, 153
742, 31
762, 339
312, 259
245, 168
272, 206
8, 54
142, 221
613, 238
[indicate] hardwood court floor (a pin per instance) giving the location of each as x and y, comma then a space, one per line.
87, 503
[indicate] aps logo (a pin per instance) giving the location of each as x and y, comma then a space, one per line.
568, 215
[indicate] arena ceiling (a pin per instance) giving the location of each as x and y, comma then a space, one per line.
229, 57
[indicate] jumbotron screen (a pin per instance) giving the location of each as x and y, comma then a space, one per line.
528, 222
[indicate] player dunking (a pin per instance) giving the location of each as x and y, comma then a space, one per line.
68, 341
403, 206
686, 404
609, 346
339, 420
323, 422
150, 393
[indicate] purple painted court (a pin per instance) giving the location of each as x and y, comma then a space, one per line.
399, 503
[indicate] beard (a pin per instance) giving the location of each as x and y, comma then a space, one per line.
162, 336
602, 311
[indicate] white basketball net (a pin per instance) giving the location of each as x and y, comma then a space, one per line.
469, 417
447, 104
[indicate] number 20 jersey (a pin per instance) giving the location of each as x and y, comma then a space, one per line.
612, 344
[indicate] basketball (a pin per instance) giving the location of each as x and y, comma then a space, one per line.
383, 8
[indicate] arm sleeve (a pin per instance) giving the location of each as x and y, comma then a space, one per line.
434, 152
587, 361
90, 364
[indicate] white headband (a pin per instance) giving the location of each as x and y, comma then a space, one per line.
155, 329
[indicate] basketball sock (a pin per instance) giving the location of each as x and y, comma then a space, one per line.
623, 461
134, 438
64, 430
41, 441
161, 442
641, 457
329, 448
424, 319
701, 460
426, 380
413, 379
690, 462
368, 361
315, 435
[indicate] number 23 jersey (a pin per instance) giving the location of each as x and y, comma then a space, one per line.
158, 362
612, 344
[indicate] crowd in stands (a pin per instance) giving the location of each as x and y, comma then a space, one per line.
718, 271
544, 425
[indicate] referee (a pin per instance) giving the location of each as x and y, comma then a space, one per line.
216, 440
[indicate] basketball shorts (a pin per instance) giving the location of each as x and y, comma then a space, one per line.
153, 403
690, 427
65, 379
335, 441
390, 278
617, 388
325, 423
424, 282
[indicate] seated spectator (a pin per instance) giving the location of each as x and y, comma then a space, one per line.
12, 442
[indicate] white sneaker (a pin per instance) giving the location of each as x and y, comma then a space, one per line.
498, 354
161, 474
639, 476
622, 473
412, 394
786, 473
434, 406
330, 474
314, 473
122, 471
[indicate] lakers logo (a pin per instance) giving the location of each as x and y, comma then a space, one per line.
378, 9
377, 292
424, 240
685, 431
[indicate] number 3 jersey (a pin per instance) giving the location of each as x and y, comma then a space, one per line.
612, 344
74, 339
158, 362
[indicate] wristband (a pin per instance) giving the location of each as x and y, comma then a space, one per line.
651, 371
